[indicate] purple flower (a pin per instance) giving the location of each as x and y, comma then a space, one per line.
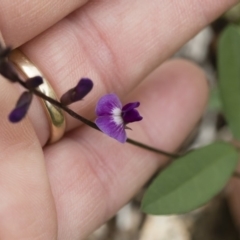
112, 117
77, 93
19, 112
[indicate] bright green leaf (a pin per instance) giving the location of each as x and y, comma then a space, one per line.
191, 180
229, 76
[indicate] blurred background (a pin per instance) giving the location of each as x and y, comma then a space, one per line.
213, 221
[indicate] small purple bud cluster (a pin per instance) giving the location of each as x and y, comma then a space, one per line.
8, 71
112, 117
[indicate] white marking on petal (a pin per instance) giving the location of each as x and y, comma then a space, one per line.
118, 120
116, 116
116, 111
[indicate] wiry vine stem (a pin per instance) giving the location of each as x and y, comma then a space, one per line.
92, 124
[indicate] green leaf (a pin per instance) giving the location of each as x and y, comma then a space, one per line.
191, 180
214, 102
229, 76
233, 14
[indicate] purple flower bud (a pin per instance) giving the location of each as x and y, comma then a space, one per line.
8, 71
34, 82
21, 108
83, 87
112, 117
4, 52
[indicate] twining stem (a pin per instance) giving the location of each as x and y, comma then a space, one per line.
159, 151
92, 124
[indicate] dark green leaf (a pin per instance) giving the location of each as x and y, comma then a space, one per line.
229, 77
191, 180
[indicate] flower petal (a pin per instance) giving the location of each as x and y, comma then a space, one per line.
107, 125
130, 106
131, 116
107, 104
19, 112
